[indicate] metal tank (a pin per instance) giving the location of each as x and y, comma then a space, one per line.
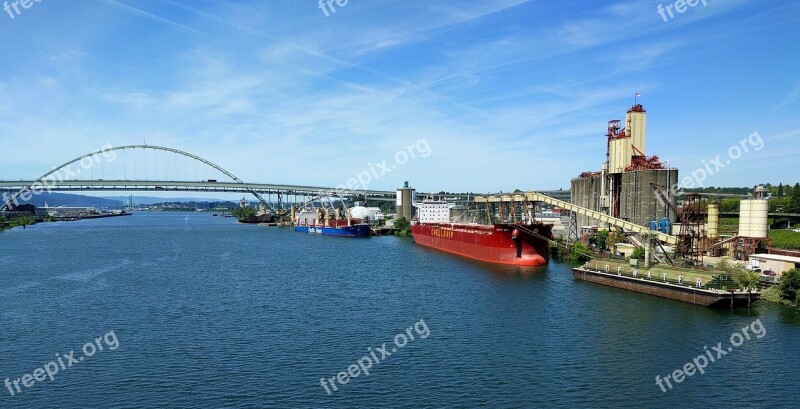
753, 218
713, 221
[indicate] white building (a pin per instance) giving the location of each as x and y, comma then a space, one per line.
433, 211
775, 262
66, 211
375, 213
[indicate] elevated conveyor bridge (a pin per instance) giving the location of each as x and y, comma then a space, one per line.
529, 197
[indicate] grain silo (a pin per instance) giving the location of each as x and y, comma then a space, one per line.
713, 221
753, 218
623, 186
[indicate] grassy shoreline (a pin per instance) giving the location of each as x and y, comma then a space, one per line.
773, 295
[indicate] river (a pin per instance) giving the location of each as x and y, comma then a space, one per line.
191, 310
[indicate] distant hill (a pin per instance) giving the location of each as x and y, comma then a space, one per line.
67, 199
64, 199
148, 200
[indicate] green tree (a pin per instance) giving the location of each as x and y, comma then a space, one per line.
638, 253
778, 204
746, 279
780, 190
558, 250
26, 220
386, 207
729, 205
794, 204
613, 238
790, 285
579, 252
602, 239
730, 268
402, 227
243, 212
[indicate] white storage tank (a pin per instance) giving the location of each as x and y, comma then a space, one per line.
360, 212
753, 218
713, 221
744, 218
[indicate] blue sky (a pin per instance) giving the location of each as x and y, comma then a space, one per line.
507, 94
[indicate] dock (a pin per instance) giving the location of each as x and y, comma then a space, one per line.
382, 231
641, 283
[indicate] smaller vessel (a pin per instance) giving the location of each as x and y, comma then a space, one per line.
332, 222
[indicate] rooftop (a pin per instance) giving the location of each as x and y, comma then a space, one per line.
776, 257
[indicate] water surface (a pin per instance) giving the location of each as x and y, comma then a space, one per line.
209, 313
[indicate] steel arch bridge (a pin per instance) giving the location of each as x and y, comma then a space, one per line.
52, 180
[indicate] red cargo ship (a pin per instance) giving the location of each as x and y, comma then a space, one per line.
519, 244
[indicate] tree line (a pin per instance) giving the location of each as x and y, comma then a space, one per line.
783, 198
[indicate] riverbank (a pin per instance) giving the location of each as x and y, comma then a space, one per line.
90, 216
16, 222
30, 220
773, 295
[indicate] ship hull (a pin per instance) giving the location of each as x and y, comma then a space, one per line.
358, 230
491, 244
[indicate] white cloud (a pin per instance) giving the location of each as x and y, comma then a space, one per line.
279, 93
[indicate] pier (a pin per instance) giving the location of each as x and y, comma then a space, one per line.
674, 286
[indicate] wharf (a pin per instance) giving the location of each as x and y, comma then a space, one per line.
686, 292
82, 217
382, 231
104, 215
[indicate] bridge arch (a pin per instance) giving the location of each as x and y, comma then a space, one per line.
41, 184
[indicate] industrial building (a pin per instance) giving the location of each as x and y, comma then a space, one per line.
774, 262
753, 234
635, 193
406, 197
638, 188
624, 185
66, 211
